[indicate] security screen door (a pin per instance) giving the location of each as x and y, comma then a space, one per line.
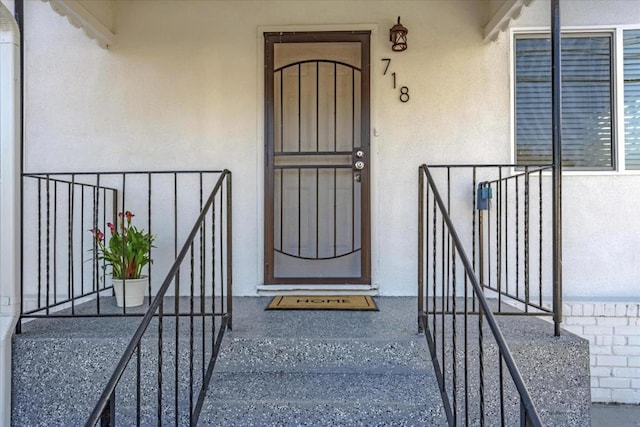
317, 226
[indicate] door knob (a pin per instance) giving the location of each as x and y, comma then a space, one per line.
359, 165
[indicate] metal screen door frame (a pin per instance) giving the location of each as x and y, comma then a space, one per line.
270, 274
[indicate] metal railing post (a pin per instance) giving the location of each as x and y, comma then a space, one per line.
229, 252
481, 247
420, 246
108, 417
556, 106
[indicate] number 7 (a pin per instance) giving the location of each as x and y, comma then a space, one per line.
388, 61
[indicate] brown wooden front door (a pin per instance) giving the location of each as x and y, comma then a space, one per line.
317, 168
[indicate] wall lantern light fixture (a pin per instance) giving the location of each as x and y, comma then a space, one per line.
398, 37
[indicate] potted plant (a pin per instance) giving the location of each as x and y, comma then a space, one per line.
127, 252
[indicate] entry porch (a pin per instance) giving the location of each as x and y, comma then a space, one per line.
297, 368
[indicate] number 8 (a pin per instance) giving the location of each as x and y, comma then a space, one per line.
404, 94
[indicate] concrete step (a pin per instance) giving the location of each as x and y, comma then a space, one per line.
327, 387
260, 413
283, 381
323, 368
320, 355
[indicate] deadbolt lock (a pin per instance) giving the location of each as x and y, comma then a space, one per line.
358, 158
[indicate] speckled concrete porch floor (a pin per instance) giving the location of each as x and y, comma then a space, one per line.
298, 368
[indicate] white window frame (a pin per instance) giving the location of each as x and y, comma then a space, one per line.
617, 57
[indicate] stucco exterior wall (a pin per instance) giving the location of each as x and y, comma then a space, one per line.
601, 230
182, 89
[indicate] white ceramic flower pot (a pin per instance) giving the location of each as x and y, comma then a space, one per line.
135, 291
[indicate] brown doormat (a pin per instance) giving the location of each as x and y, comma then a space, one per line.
317, 302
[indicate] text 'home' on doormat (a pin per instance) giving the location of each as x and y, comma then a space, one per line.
317, 302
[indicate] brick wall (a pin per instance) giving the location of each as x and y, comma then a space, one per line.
613, 331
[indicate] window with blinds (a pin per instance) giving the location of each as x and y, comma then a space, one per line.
587, 101
632, 98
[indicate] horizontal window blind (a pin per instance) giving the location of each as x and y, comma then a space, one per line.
632, 98
587, 137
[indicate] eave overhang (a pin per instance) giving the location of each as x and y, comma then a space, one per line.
96, 21
509, 11
81, 17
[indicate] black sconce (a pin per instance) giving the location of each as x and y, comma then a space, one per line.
398, 36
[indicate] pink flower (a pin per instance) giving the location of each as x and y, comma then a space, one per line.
111, 227
129, 215
99, 235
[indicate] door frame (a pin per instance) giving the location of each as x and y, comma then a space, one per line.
270, 39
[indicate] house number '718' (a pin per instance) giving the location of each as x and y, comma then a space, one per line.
404, 90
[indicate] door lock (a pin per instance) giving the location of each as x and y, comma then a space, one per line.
358, 159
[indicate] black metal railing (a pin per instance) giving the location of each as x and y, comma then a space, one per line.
505, 216
515, 238
478, 378
61, 274
165, 370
